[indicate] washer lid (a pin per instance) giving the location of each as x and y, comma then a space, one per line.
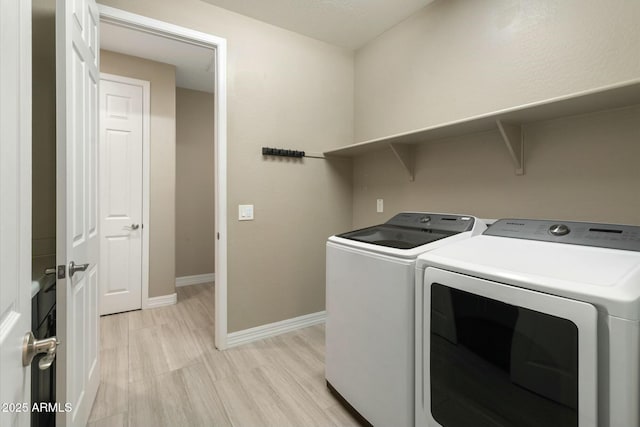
409, 230
393, 236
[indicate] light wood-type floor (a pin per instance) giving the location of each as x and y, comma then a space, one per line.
160, 368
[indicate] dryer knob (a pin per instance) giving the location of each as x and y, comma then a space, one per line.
425, 219
559, 230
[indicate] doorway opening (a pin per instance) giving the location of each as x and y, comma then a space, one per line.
146, 27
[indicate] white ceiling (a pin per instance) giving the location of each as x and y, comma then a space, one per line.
347, 23
194, 64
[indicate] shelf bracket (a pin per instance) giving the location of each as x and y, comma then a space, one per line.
404, 154
513, 139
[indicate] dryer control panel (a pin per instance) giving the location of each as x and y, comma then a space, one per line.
614, 236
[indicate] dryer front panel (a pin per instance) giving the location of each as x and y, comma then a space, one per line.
496, 355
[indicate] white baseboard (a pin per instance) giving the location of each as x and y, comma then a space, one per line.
196, 279
273, 329
161, 301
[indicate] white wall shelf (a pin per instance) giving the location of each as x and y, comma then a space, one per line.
508, 121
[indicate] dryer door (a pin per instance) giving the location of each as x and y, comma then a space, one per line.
492, 355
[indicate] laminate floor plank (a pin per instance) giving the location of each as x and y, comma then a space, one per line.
164, 315
302, 365
114, 330
140, 319
146, 354
195, 313
204, 336
315, 386
239, 405
117, 420
295, 356
113, 392
299, 405
180, 345
272, 409
205, 401
217, 365
314, 336
312, 355
161, 401
160, 368
245, 358
341, 417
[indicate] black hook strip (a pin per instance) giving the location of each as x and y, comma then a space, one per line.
266, 151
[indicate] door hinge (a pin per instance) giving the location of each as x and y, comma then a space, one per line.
218, 236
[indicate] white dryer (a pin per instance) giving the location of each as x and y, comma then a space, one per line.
533, 324
370, 310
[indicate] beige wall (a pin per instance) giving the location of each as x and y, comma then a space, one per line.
194, 183
288, 91
578, 168
459, 58
44, 128
455, 59
162, 167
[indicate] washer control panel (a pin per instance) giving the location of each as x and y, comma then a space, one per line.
559, 229
434, 221
625, 237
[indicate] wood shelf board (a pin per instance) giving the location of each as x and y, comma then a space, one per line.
608, 98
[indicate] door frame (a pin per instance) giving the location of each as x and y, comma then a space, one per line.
146, 146
219, 45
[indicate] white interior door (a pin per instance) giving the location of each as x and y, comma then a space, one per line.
77, 77
15, 208
121, 176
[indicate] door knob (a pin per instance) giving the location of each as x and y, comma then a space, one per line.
135, 226
73, 268
32, 347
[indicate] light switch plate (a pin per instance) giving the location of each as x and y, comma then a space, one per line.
245, 212
379, 205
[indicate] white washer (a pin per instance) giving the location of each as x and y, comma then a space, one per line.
533, 324
370, 310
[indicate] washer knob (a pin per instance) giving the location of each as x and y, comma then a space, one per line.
559, 230
425, 219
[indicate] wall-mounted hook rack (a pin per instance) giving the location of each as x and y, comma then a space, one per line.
266, 151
